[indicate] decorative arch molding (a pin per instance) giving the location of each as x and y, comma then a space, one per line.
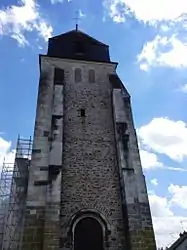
92, 213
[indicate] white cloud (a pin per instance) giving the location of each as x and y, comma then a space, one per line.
59, 1
159, 206
6, 154
167, 225
116, 10
56, 1
177, 169
163, 51
166, 137
154, 182
184, 88
44, 30
81, 13
24, 17
167, 16
144, 66
149, 160
179, 194
151, 11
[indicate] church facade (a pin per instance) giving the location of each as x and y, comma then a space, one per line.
86, 188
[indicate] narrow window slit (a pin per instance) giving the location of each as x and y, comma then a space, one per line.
82, 111
91, 76
78, 76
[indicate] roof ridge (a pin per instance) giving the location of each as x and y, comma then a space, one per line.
82, 33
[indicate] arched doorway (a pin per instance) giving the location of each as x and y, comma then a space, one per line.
88, 235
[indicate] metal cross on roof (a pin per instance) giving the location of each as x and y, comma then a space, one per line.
77, 18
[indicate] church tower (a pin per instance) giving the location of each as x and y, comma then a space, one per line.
86, 188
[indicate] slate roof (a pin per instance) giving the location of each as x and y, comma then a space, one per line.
75, 44
80, 34
179, 241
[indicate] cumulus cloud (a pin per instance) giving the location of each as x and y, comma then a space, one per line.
163, 51
168, 137
147, 11
167, 225
169, 17
17, 20
6, 154
165, 136
159, 206
116, 10
179, 194
149, 160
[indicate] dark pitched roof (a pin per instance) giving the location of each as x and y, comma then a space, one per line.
79, 34
75, 44
179, 241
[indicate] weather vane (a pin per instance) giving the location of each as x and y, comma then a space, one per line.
77, 18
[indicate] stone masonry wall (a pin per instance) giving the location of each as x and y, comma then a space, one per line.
135, 198
90, 177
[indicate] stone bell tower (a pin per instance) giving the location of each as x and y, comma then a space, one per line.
86, 188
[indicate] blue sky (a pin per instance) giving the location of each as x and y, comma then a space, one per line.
150, 43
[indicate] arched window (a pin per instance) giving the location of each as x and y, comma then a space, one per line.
78, 76
91, 76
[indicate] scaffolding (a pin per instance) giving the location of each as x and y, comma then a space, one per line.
13, 191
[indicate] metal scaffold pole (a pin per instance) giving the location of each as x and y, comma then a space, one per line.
13, 192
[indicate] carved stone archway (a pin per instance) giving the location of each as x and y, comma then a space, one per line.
89, 218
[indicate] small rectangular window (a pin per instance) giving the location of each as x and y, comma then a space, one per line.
58, 76
82, 112
46, 133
